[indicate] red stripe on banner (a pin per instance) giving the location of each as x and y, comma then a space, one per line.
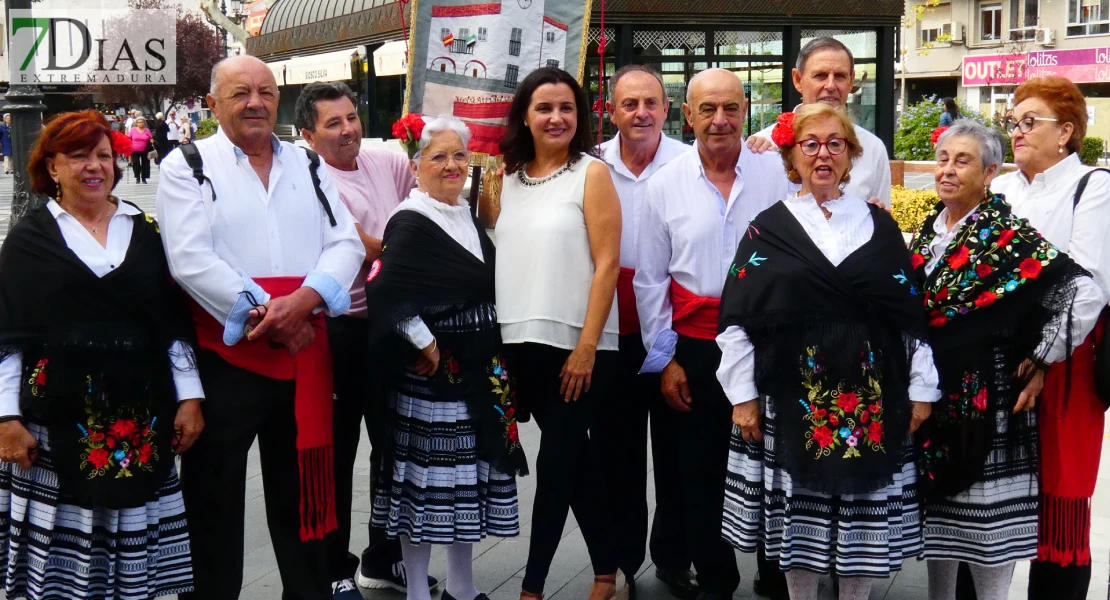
554, 23
468, 10
481, 110
485, 138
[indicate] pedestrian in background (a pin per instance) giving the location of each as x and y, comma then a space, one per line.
141, 140
6, 142
950, 114
161, 131
185, 130
174, 134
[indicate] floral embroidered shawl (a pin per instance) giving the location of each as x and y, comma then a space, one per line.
424, 272
95, 352
832, 347
1000, 295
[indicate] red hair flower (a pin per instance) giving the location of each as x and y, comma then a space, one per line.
121, 144
937, 133
783, 133
408, 130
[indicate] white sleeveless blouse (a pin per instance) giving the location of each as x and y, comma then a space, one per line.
544, 265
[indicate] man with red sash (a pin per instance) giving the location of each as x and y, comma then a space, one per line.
638, 107
695, 210
263, 257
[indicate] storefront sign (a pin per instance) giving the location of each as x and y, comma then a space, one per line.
994, 69
332, 66
1085, 65
391, 59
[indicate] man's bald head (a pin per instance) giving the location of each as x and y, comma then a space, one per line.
244, 97
715, 108
717, 79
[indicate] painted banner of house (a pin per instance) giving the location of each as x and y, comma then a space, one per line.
468, 56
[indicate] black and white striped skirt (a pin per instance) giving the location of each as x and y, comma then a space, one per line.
50, 549
858, 535
439, 492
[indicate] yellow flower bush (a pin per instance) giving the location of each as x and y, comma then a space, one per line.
910, 206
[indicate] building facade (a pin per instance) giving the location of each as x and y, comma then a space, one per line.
979, 50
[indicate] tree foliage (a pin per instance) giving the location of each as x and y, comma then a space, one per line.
198, 50
916, 124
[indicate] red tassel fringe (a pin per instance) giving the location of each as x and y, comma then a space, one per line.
317, 501
1065, 531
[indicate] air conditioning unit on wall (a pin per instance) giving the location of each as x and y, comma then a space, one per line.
1046, 37
956, 30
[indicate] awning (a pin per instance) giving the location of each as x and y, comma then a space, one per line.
330, 66
390, 59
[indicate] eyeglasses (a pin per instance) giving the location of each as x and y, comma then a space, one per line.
1024, 125
836, 145
440, 159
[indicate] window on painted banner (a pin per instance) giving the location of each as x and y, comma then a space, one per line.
481, 34
550, 37
512, 72
551, 62
1024, 18
514, 42
990, 22
1088, 17
443, 33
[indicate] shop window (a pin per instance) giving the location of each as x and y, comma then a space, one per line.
1024, 18
514, 43
481, 34
990, 22
512, 72
551, 62
1088, 17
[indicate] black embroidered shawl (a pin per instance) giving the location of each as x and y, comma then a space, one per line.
999, 289
424, 272
96, 366
832, 347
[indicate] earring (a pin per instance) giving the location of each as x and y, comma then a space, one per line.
792, 174
1061, 148
847, 177
58, 195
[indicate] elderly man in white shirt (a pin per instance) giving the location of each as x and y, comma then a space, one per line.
696, 209
262, 250
825, 72
638, 106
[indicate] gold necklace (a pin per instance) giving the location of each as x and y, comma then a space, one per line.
112, 202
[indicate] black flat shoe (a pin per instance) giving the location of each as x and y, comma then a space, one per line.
768, 589
447, 596
680, 583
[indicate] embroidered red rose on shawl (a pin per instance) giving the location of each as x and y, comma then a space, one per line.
875, 432
980, 400
375, 268
1030, 268
959, 259
983, 270
98, 457
938, 320
783, 133
986, 299
848, 402
916, 260
823, 436
123, 428
864, 417
1005, 237
145, 452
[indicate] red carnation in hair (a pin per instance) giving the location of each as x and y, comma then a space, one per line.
783, 133
121, 144
936, 134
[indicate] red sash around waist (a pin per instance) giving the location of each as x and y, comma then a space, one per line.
693, 316
311, 372
629, 319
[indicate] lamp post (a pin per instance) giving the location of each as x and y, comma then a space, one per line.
26, 108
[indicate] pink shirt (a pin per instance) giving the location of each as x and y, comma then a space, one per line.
371, 192
139, 138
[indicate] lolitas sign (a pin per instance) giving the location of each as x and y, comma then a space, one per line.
1084, 65
994, 69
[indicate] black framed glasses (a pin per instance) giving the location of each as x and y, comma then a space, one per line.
1024, 125
836, 145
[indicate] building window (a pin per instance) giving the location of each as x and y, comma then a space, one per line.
481, 34
551, 62
514, 45
551, 37
1023, 19
990, 23
929, 36
511, 73
1088, 17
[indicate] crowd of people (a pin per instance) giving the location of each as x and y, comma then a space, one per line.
818, 393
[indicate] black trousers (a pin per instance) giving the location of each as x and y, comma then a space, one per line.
625, 415
1050, 581
571, 465
703, 437
140, 163
239, 406
359, 398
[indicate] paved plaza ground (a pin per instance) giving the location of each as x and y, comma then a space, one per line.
499, 564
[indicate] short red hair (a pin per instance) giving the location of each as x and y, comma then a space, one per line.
65, 133
1064, 98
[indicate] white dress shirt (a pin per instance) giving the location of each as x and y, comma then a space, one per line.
101, 260
1086, 307
690, 232
215, 247
456, 222
630, 188
174, 133
849, 228
870, 174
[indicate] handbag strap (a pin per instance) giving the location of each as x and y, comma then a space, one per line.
1083, 185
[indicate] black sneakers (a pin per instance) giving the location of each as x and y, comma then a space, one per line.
393, 578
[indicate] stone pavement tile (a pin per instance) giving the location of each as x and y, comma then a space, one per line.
266, 588
258, 563
500, 563
907, 592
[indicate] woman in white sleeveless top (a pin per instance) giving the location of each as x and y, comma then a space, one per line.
558, 229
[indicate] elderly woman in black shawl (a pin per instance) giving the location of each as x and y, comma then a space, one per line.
456, 450
824, 361
998, 298
98, 386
